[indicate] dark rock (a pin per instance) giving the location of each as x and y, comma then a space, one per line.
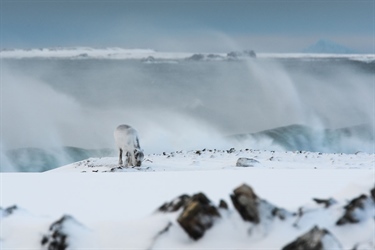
246, 162
198, 216
313, 240
373, 193
299, 215
7, 211
232, 150
280, 213
214, 57
58, 237
250, 53
246, 202
352, 209
326, 202
245, 53
253, 209
223, 204
196, 57
175, 204
116, 169
233, 55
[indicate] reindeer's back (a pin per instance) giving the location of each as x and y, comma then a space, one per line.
125, 136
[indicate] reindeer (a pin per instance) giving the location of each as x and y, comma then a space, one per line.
127, 142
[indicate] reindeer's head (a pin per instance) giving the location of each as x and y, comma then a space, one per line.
138, 155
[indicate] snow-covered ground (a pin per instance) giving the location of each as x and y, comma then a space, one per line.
107, 207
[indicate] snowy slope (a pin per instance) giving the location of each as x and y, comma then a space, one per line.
118, 209
212, 159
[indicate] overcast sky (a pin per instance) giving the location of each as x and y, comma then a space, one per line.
194, 26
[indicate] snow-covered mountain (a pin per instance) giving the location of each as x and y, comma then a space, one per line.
86, 52
235, 198
328, 47
322, 49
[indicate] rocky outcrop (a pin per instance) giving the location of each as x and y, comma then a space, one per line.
196, 57
326, 202
236, 54
315, 239
250, 53
353, 210
175, 204
246, 202
7, 211
58, 235
198, 216
223, 204
252, 208
214, 57
247, 162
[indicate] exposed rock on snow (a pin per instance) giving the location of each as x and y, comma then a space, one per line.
246, 202
315, 239
355, 209
223, 204
250, 53
247, 162
231, 150
214, 57
198, 216
326, 202
237, 54
58, 237
176, 204
195, 215
7, 211
252, 208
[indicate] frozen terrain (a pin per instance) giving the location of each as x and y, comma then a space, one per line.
243, 151
97, 204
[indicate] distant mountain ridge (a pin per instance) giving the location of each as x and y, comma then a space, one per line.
328, 47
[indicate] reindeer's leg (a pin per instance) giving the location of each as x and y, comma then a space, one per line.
120, 157
128, 159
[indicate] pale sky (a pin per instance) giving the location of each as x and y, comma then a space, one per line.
190, 25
